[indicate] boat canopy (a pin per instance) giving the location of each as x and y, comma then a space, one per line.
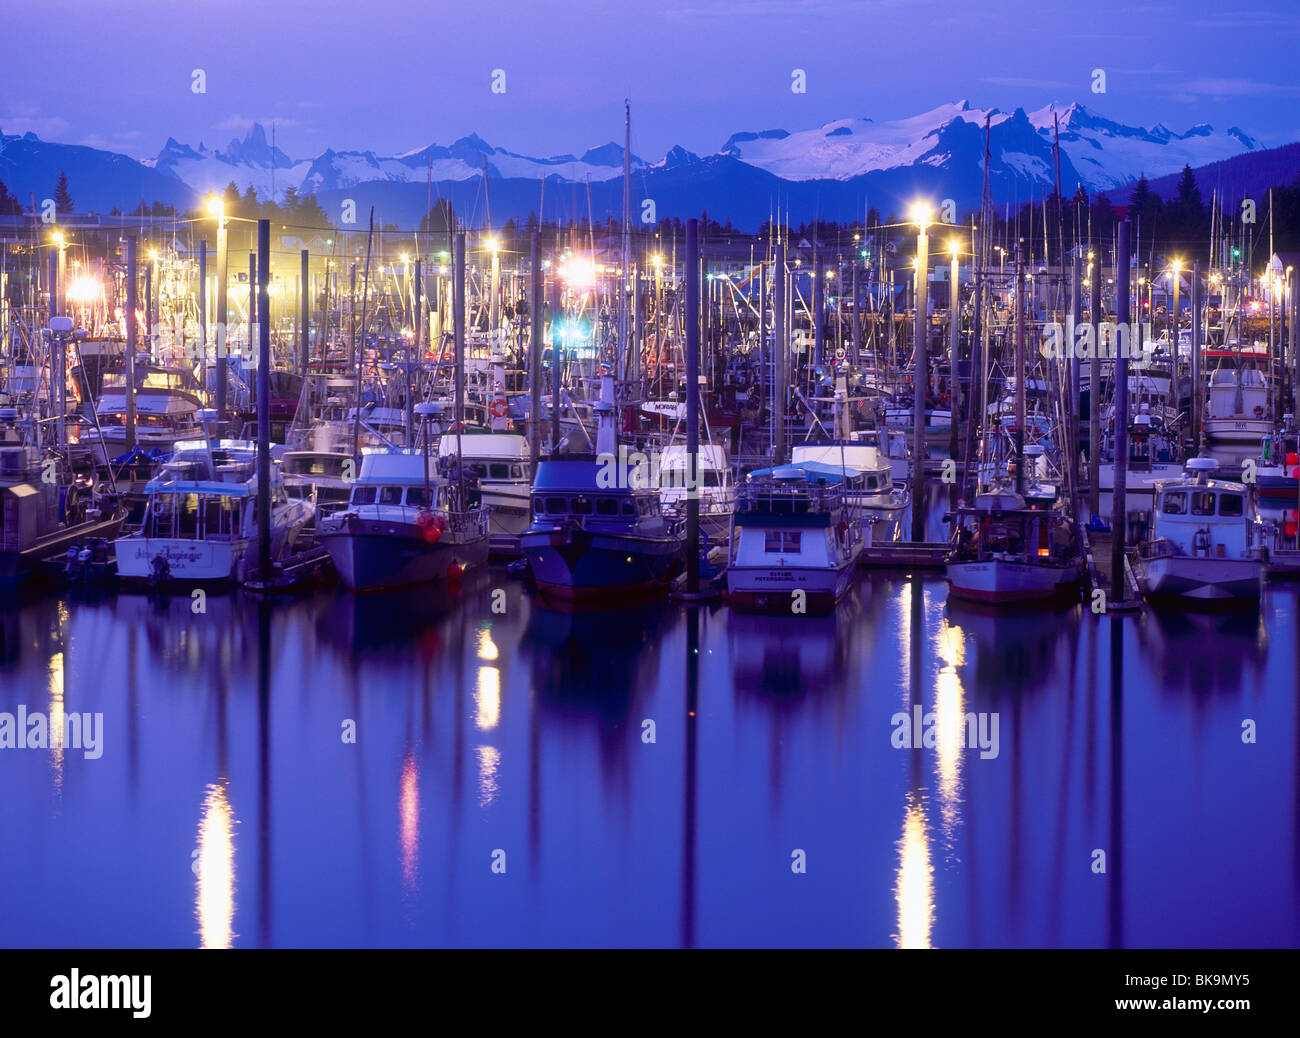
583, 476
807, 471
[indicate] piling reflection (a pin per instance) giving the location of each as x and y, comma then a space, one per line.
773, 733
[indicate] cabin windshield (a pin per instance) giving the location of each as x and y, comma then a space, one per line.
1231, 504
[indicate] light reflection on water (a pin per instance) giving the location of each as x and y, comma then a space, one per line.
525, 732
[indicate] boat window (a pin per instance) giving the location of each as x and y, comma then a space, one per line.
1203, 503
629, 507
557, 505
363, 495
1230, 504
390, 495
499, 470
782, 541
607, 506
415, 496
711, 478
871, 482
479, 469
1175, 503
581, 506
516, 472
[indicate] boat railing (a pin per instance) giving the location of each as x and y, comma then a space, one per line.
471, 523
776, 495
1160, 548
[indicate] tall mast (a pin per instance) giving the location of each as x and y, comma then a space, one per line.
626, 265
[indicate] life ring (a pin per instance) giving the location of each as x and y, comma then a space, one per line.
500, 408
1259, 411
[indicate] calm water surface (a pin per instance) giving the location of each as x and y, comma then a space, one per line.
227, 809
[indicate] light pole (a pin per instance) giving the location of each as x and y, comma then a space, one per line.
921, 215
218, 209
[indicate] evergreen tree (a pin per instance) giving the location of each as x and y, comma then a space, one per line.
62, 197
310, 214
1103, 218
1186, 215
9, 204
1145, 208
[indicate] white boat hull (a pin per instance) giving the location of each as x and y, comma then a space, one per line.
187, 560
1012, 580
1237, 430
1204, 580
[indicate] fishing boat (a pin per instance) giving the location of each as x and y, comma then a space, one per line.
499, 462
166, 412
404, 524
1206, 545
715, 488
200, 519
795, 539
1008, 552
1238, 410
593, 539
878, 503
320, 477
41, 518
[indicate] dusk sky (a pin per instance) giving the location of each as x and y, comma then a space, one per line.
391, 77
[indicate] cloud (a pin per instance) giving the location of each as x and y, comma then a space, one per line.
1272, 22
1218, 89
20, 117
245, 122
1035, 84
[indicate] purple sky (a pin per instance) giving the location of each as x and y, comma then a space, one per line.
392, 76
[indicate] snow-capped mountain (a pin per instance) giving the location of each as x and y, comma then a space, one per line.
831, 171
253, 162
1097, 152
1108, 153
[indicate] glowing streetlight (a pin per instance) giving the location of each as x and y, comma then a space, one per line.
216, 207
84, 290
578, 272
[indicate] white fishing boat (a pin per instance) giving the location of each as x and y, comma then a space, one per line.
1238, 410
201, 521
403, 525
795, 539
498, 462
166, 408
323, 478
1010, 553
1207, 544
878, 502
716, 490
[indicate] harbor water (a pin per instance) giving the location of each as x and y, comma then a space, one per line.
468, 768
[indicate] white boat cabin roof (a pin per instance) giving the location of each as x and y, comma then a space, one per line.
484, 446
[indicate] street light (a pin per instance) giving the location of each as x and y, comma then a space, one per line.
921, 214
217, 208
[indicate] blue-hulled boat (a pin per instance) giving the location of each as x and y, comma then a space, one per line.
593, 538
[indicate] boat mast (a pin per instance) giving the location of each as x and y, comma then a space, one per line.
624, 345
1020, 368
